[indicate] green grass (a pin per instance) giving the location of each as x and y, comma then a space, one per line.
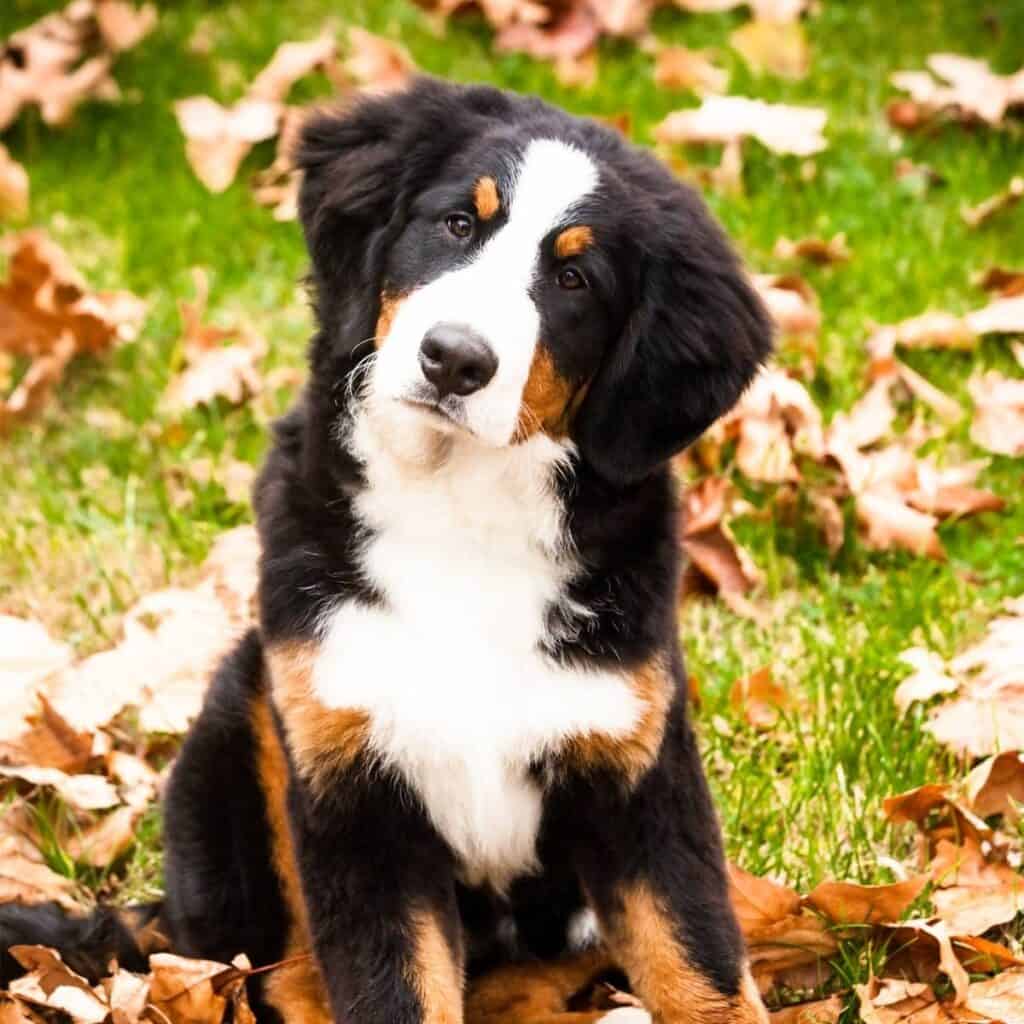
802, 800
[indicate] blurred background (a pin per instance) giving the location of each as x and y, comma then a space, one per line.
863, 502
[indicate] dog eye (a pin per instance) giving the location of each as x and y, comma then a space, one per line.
570, 279
460, 225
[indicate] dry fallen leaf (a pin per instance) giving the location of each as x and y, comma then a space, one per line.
677, 67
48, 314
896, 1001
213, 370
928, 680
973, 894
194, 991
996, 786
792, 303
848, 903
52, 984
760, 699
567, 35
823, 251
963, 85
83, 792
376, 63
723, 119
1000, 998
975, 216
24, 875
821, 1011
998, 423
779, 48
65, 58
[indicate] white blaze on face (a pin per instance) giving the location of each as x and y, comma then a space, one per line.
491, 294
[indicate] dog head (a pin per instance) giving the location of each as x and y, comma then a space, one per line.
511, 270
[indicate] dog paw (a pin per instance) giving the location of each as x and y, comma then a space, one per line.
627, 1015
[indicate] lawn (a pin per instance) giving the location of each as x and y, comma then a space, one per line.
100, 505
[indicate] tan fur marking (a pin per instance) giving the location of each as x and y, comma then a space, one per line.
635, 752
674, 991
435, 973
536, 993
322, 741
548, 399
296, 990
485, 198
389, 305
572, 241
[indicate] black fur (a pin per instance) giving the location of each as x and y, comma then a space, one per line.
673, 335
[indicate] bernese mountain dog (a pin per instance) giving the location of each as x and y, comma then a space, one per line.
458, 740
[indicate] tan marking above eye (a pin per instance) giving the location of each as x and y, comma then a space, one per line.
485, 198
572, 241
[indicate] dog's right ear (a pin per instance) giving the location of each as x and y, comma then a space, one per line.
362, 164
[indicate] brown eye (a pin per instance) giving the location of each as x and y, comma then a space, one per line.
459, 224
570, 278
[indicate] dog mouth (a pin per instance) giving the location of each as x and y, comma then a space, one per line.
438, 412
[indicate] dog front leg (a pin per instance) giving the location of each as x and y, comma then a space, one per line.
651, 863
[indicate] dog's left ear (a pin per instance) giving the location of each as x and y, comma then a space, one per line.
697, 335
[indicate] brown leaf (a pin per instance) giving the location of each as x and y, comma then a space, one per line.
84, 792
1005, 281
760, 699
14, 1011
122, 25
928, 680
52, 984
24, 877
792, 303
931, 940
566, 36
13, 187
290, 62
964, 86
102, 843
849, 903
218, 139
895, 1001
822, 251
759, 902
377, 63
947, 409
998, 423
28, 656
999, 999
779, 48
890, 523
722, 119
194, 991
65, 58
821, 1011
678, 67
975, 216
996, 786
973, 894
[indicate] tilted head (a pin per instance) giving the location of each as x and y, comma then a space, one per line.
514, 270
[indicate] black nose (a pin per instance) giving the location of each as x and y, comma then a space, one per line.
456, 360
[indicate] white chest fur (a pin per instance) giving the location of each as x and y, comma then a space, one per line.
459, 696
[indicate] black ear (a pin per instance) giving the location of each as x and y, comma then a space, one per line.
697, 335
362, 165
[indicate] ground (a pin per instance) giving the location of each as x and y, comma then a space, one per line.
93, 514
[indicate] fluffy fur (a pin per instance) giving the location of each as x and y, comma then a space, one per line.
459, 737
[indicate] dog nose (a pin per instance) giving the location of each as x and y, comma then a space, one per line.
456, 360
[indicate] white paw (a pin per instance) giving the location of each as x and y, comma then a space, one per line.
627, 1015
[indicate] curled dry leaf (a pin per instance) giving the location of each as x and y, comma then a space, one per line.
848, 903
973, 894
376, 63
13, 187
195, 991
83, 792
760, 699
1000, 998
723, 119
213, 370
896, 1001
1004, 281
975, 216
792, 303
996, 786
777, 47
50, 983
998, 423
716, 560
821, 1011
66, 57
565, 36
964, 86
24, 875
678, 67
822, 251
48, 313
786, 944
